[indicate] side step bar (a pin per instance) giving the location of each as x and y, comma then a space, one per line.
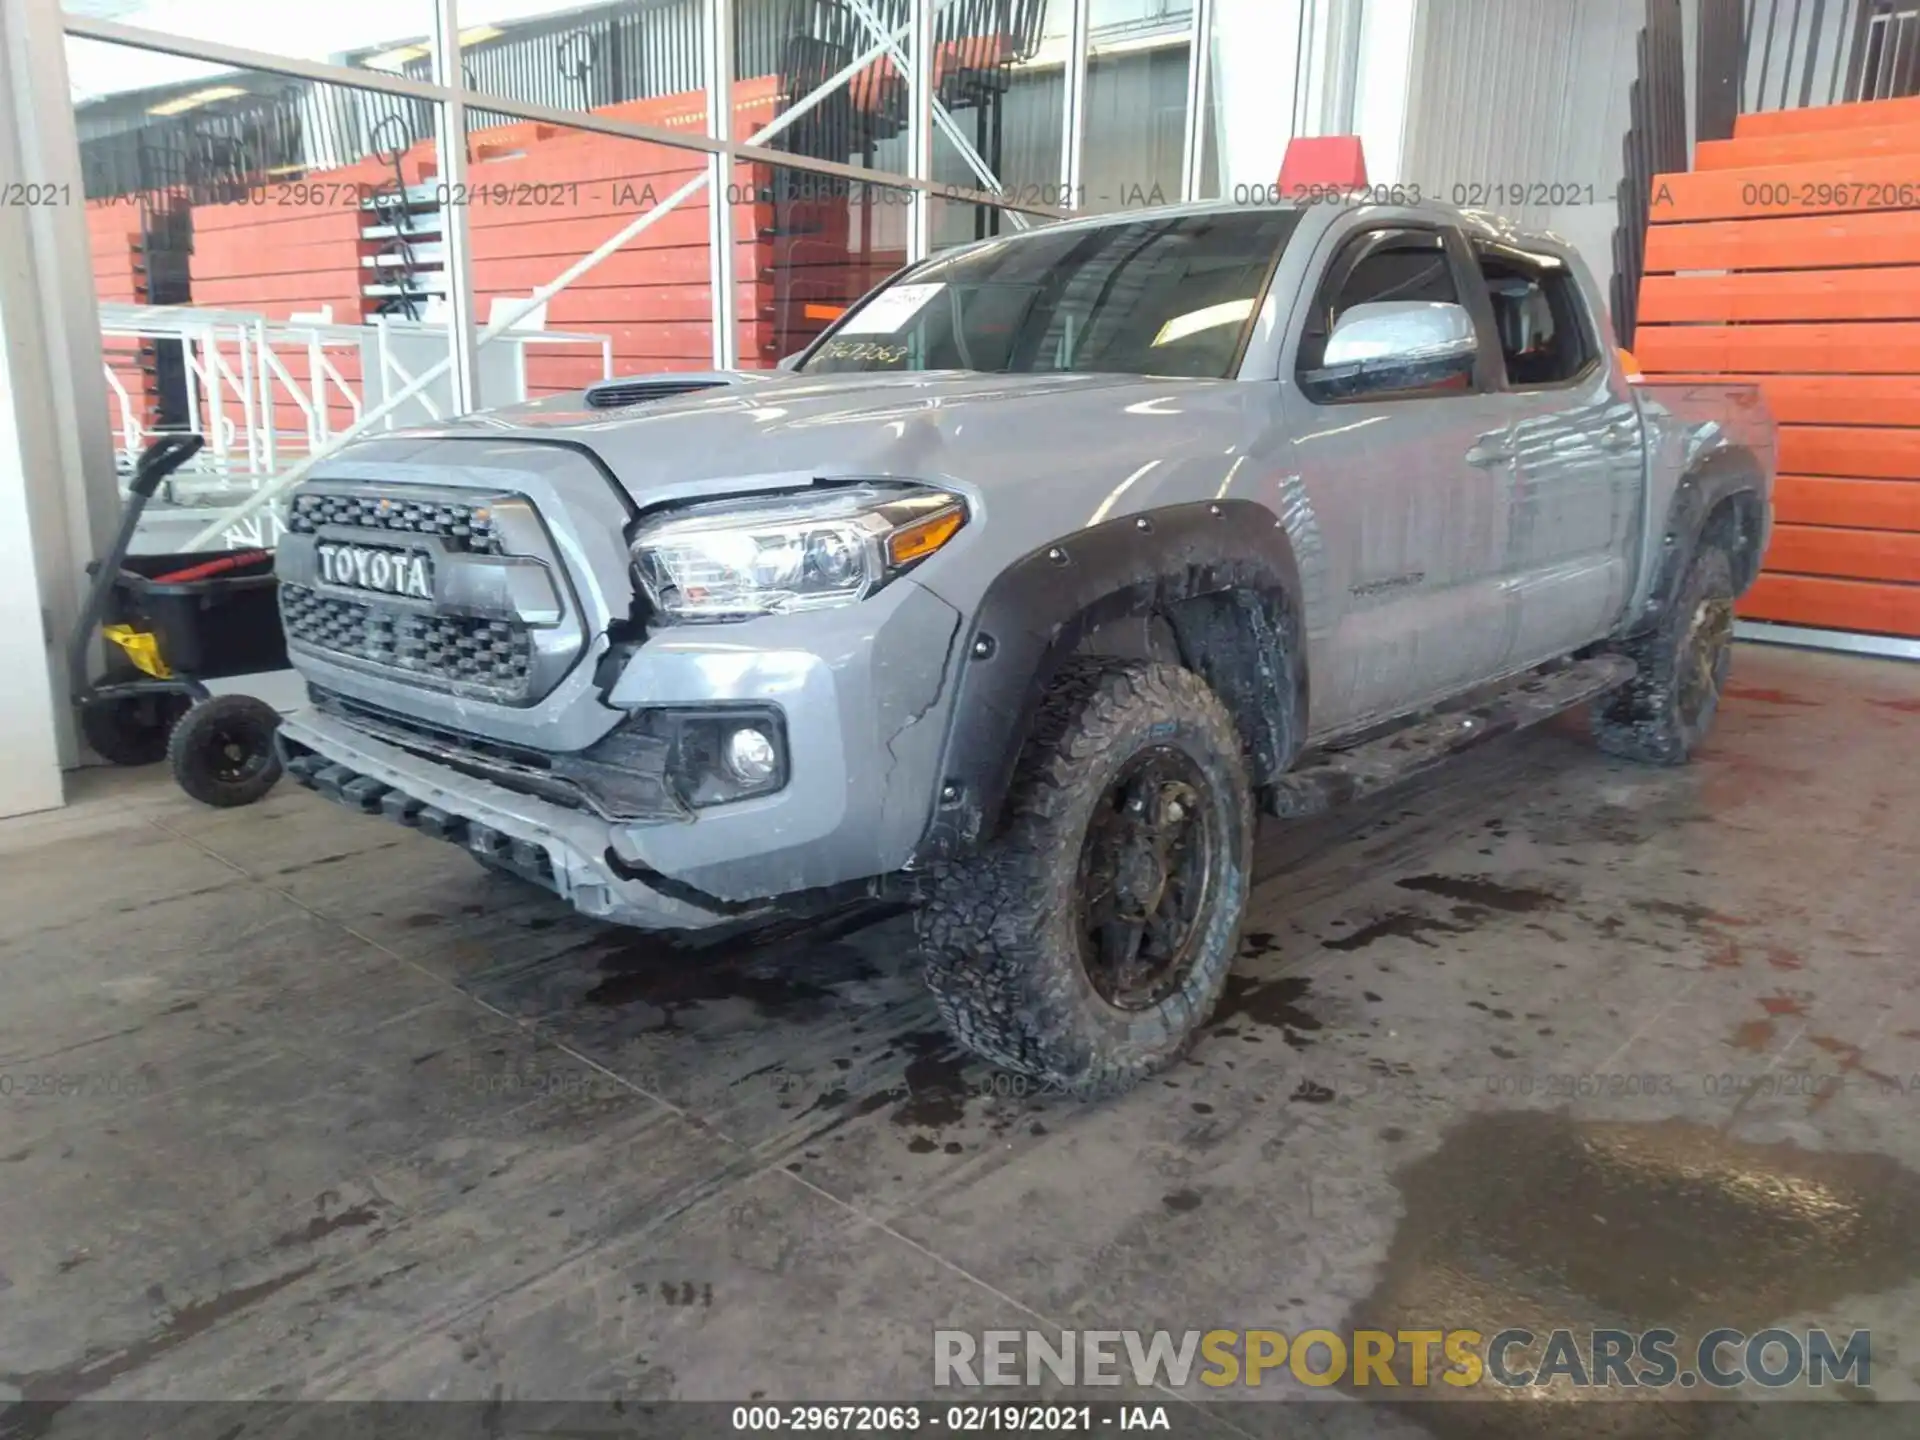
1338, 777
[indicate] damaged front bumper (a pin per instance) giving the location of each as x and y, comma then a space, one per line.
569, 851
852, 696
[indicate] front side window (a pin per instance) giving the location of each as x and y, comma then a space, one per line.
1375, 268
1172, 296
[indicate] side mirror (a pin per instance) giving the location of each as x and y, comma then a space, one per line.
1391, 346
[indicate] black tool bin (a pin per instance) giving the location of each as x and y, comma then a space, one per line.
221, 625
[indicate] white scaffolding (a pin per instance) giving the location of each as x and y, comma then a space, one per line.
243, 373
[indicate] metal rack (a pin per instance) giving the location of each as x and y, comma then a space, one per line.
243, 371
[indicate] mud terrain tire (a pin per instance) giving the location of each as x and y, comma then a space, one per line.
1664, 714
1131, 811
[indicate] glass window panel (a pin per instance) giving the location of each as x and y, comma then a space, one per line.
389, 35
636, 60
538, 198
231, 240
1135, 133
809, 246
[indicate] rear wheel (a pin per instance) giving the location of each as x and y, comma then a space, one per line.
1087, 944
132, 729
1666, 711
222, 752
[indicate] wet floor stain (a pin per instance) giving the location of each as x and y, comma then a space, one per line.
1767, 697
1484, 893
1534, 1219
1273, 1003
43, 1393
789, 971
1754, 1035
1904, 707
322, 1225
1399, 925
935, 1080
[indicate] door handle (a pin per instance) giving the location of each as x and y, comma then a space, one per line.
1494, 453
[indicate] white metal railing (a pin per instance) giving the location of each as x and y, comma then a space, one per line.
239, 380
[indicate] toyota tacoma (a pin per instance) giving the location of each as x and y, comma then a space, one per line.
1024, 587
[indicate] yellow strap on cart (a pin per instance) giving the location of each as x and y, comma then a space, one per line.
142, 647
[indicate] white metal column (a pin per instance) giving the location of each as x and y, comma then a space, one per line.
920, 131
451, 145
59, 495
1073, 117
716, 57
1194, 157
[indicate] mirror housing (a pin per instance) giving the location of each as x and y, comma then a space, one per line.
1393, 346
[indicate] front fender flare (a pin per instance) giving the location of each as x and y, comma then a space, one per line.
1036, 613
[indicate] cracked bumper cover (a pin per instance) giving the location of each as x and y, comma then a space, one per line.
860, 690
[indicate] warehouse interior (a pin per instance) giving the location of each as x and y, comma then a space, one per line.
295, 1106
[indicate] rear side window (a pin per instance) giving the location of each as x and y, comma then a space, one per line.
1378, 266
1538, 315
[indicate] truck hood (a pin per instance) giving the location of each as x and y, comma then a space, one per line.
769, 429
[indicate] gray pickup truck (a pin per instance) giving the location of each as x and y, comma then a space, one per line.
1023, 587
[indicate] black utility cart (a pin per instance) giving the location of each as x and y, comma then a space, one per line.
171, 623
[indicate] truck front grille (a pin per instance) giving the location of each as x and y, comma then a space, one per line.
463, 526
463, 654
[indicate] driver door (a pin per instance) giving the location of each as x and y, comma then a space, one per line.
1410, 491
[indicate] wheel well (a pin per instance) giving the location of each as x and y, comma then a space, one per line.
1736, 525
1245, 644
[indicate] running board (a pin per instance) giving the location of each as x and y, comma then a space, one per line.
1338, 777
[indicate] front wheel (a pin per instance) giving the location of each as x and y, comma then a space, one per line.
1088, 943
1662, 716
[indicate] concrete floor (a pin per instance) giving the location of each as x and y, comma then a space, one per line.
298, 1104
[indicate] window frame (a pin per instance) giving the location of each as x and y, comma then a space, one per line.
1583, 320
1349, 250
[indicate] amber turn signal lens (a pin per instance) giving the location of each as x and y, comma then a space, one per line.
920, 539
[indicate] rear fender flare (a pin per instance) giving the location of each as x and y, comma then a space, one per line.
1716, 478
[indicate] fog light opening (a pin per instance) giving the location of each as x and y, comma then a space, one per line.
750, 756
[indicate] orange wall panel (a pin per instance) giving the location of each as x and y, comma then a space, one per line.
1866, 294
1839, 349
1798, 147
1810, 242
1828, 604
1866, 115
1852, 451
1871, 183
1855, 504
1852, 554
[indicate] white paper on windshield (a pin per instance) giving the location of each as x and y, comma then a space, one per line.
891, 309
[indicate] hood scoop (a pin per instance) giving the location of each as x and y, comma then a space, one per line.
644, 389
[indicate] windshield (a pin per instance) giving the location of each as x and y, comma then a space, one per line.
1142, 297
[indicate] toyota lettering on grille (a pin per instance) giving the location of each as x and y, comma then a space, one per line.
371, 567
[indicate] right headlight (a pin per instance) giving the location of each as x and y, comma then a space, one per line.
772, 555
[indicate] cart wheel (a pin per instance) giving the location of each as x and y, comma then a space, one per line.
222, 751
132, 729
